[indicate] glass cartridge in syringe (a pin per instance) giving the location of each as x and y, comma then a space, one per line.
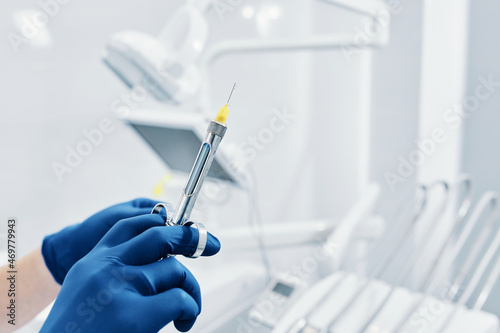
215, 132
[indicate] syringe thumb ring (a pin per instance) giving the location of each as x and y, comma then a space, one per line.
169, 211
202, 238
202, 231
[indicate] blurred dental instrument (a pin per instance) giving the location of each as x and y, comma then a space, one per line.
163, 65
215, 132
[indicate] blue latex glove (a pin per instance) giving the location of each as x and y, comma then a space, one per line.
122, 285
64, 248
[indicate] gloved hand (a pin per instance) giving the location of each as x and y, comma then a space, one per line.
124, 285
64, 248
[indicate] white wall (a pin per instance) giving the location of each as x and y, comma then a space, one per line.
396, 98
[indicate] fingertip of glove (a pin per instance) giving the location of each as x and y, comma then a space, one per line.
184, 325
48, 258
213, 246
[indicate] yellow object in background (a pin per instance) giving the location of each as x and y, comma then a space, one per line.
158, 190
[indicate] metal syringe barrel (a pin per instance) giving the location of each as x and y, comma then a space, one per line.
206, 155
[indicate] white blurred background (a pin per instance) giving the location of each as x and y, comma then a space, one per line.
354, 119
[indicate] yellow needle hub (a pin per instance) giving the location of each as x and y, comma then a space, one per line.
222, 115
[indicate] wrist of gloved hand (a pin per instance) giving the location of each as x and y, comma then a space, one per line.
63, 249
127, 283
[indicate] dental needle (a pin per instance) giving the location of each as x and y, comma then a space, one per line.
231, 94
215, 132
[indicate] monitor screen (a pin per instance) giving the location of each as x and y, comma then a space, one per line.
283, 289
178, 148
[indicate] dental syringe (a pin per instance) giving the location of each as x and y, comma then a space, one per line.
215, 132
